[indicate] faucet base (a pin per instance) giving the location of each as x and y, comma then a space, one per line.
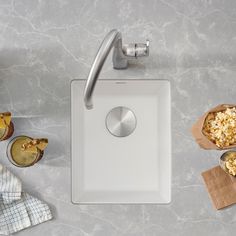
120, 62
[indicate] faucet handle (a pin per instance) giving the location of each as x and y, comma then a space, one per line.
142, 49
136, 49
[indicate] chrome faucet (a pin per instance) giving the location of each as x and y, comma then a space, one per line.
121, 56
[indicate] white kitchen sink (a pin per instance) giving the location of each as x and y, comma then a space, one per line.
132, 169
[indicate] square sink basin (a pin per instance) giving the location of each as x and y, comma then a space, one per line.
131, 169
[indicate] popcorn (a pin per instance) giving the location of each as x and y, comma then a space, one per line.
230, 163
220, 127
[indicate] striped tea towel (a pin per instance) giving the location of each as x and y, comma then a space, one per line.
18, 210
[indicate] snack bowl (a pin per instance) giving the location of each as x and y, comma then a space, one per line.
228, 159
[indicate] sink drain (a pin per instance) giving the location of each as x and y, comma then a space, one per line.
121, 121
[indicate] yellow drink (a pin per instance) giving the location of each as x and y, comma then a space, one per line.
2, 132
19, 156
6, 126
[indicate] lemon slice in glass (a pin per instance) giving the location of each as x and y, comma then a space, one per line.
5, 119
35, 144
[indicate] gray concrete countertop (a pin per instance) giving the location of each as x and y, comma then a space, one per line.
46, 44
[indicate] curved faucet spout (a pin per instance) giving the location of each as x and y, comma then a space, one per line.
112, 38
120, 60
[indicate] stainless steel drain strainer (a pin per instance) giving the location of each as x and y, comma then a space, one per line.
121, 121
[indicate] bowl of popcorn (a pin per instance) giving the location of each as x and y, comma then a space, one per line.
228, 162
216, 129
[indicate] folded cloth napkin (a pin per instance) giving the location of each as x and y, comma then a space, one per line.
18, 210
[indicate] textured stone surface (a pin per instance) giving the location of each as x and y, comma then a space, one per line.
46, 44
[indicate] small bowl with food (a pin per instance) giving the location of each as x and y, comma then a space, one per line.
228, 162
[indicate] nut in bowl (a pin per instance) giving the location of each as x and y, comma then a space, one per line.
228, 162
216, 129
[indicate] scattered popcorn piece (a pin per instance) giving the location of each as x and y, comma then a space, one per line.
220, 127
